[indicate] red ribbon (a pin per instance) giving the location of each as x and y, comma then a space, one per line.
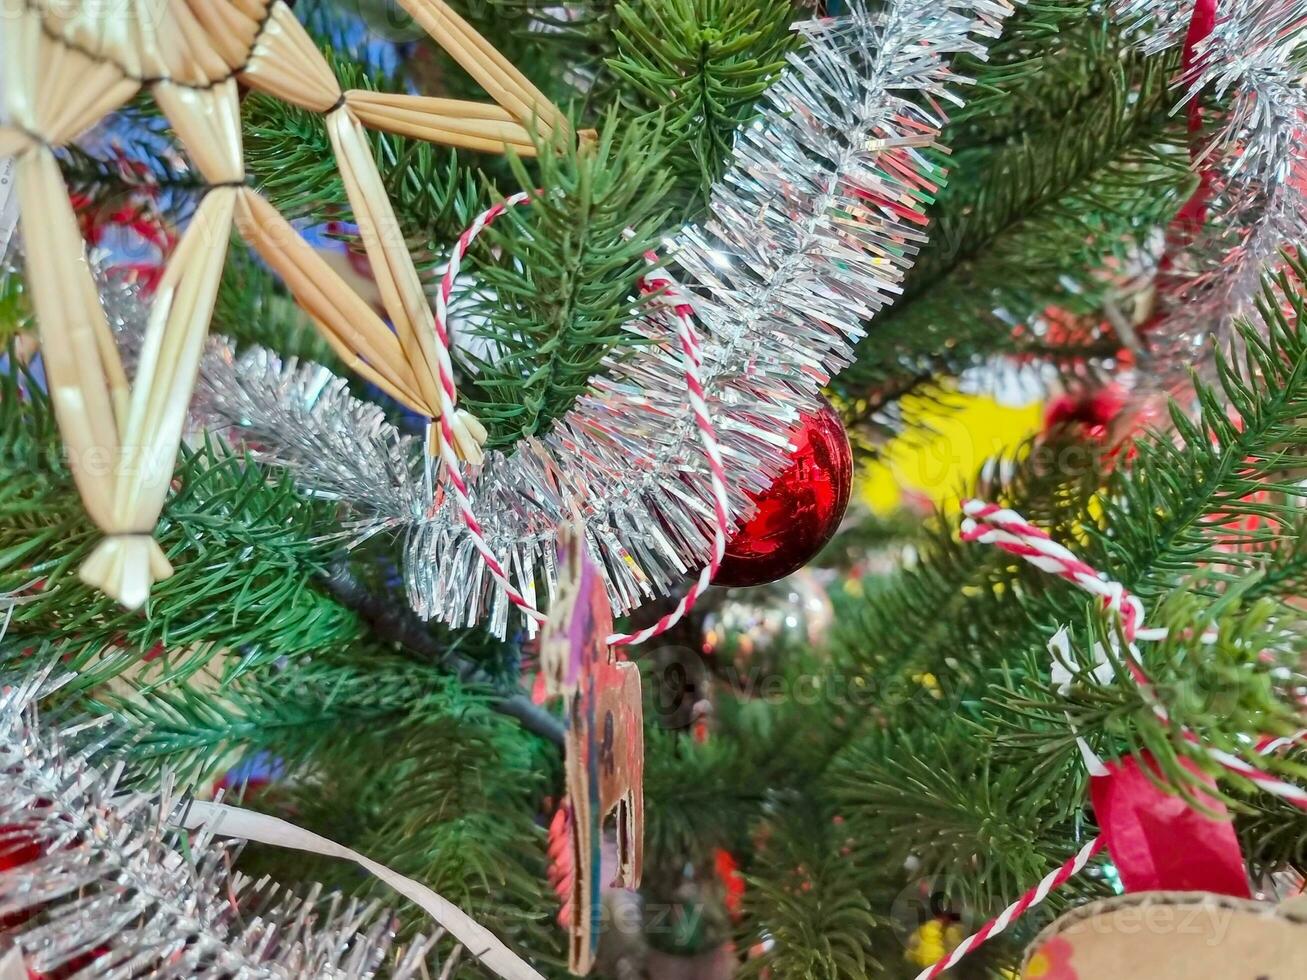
1161, 843
1191, 217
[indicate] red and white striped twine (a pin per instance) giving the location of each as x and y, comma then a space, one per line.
656, 281
1054, 880
991, 524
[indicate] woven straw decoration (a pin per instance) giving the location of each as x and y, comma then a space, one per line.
66, 66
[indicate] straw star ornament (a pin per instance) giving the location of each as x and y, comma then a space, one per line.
65, 67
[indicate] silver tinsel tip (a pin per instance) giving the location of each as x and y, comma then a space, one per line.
1254, 166
93, 882
812, 230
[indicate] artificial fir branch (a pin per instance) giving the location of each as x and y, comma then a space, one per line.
1111, 145
699, 796
1033, 222
392, 619
557, 300
1283, 574
700, 65
198, 730
928, 619
473, 836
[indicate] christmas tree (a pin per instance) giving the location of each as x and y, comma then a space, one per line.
362, 360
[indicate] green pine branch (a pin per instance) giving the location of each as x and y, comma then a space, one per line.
577, 35
768, 747
1272, 831
1227, 493
1053, 55
812, 901
698, 796
139, 160
1227, 668
1218, 501
451, 800
1030, 223
245, 548
559, 280
701, 66
983, 825
473, 836
957, 644
557, 299
298, 715
1283, 574
245, 545
257, 577
960, 607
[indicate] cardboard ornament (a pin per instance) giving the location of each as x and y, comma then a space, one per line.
1188, 914
604, 746
1173, 936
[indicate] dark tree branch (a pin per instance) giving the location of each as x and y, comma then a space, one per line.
399, 624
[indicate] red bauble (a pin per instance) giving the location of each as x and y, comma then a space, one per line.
17, 846
1095, 412
800, 511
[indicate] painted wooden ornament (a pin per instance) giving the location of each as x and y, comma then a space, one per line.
604, 746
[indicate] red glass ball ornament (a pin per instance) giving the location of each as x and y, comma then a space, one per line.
800, 511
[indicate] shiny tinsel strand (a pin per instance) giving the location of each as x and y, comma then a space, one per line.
1256, 165
93, 879
302, 416
812, 230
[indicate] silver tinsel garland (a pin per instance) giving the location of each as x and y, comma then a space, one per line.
1256, 163
812, 230
94, 880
